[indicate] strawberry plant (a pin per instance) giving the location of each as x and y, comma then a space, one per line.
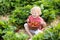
4, 27
18, 17
15, 36
7, 32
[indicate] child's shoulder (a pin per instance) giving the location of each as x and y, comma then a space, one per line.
41, 18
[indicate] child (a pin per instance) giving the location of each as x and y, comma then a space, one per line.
35, 23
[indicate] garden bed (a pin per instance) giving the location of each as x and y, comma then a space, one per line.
13, 15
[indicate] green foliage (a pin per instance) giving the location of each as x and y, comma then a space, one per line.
5, 7
20, 15
15, 36
7, 32
20, 10
49, 34
5, 27
49, 15
50, 9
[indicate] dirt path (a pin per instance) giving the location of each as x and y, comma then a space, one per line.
55, 22
6, 18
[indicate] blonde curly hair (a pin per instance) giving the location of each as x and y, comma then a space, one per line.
37, 9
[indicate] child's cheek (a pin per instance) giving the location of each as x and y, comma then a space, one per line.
37, 14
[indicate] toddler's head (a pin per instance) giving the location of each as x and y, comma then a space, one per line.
36, 11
